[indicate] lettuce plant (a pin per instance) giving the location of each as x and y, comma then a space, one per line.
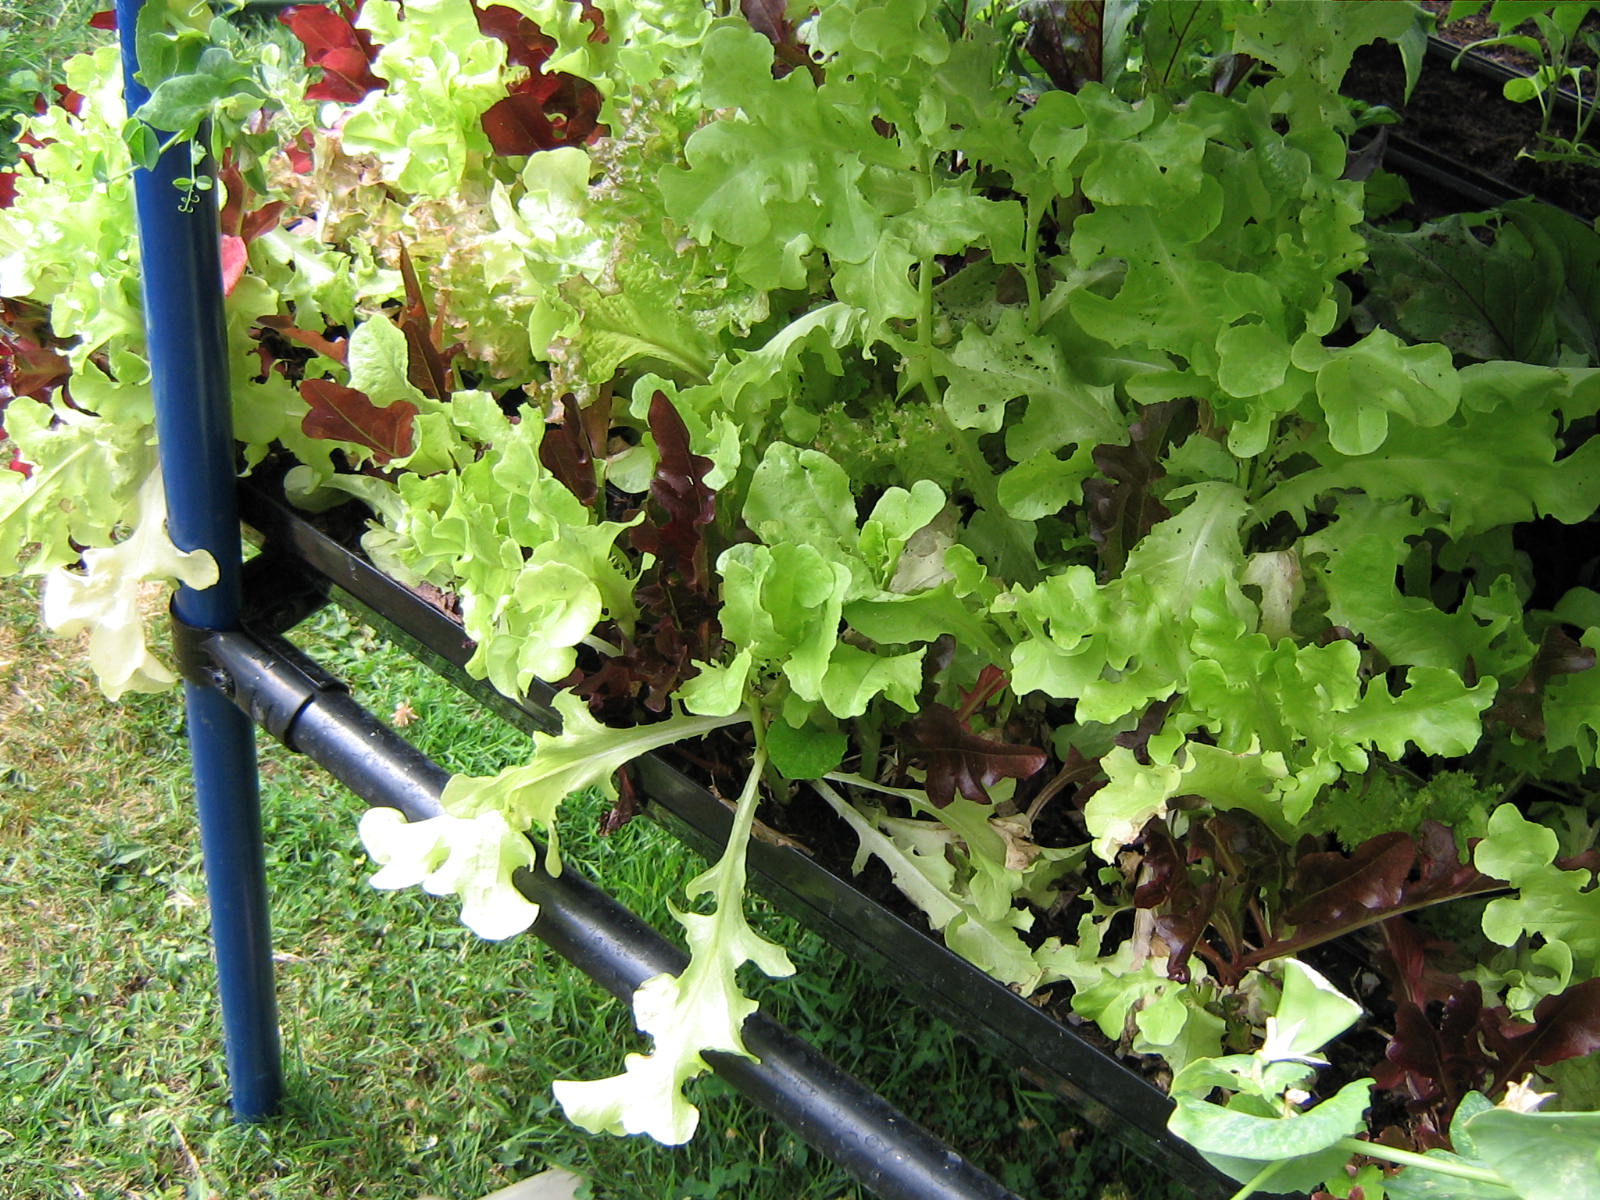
1017, 442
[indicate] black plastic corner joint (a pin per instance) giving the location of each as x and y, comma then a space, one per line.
263, 675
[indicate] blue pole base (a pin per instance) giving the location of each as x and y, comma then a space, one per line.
222, 741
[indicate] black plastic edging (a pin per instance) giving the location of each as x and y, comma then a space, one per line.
313, 714
1025, 1037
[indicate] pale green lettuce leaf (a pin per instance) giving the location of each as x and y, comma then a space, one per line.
584, 754
444, 74
1556, 904
103, 598
686, 1015
939, 874
473, 857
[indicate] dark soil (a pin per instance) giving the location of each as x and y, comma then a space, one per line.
1460, 114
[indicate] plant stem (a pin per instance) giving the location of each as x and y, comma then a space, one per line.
1258, 1180
1406, 1158
1063, 779
1030, 263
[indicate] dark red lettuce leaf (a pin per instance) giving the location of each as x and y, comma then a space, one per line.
1447, 1043
1066, 38
343, 52
1521, 705
239, 226
1138, 738
1122, 502
526, 44
990, 683
67, 98
540, 111
1239, 897
1383, 877
345, 414
770, 18
1432, 1062
681, 505
565, 452
427, 361
543, 112
281, 327
1564, 1026
1187, 899
1336, 890
958, 760
8, 188
29, 369
677, 593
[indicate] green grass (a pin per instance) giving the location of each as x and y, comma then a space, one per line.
418, 1058
36, 37
39, 35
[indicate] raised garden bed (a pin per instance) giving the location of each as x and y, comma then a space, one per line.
1039, 453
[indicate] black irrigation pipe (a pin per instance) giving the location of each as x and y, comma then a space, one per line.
313, 714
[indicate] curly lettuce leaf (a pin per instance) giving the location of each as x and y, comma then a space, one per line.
102, 598
476, 846
687, 1015
474, 857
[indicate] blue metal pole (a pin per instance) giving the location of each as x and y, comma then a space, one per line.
187, 343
